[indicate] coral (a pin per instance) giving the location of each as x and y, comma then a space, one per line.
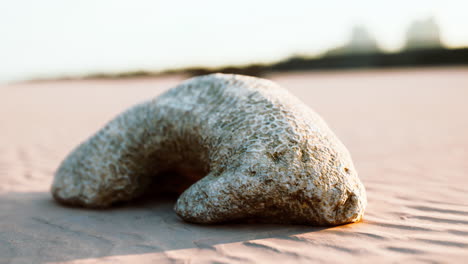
248, 148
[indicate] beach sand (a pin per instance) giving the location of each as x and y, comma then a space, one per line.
407, 131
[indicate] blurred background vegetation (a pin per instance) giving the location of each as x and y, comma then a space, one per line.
54, 39
422, 48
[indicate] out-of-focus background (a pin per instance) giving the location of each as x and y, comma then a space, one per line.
112, 38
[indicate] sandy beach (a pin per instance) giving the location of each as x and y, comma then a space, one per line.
407, 131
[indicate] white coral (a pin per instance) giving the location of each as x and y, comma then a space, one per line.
251, 149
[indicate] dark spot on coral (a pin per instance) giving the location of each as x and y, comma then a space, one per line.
268, 181
276, 157
346, 170
304, 156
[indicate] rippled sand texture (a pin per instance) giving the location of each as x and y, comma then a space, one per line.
406, 129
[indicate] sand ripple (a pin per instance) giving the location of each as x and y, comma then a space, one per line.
406, 130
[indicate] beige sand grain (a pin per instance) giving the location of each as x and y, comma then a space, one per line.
406, 129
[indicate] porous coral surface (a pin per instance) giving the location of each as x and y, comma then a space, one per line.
251, 149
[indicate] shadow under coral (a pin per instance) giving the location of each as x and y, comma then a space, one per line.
35, 228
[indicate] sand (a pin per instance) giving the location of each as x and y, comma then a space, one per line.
407, 131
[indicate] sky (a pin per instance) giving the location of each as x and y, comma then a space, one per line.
52, 38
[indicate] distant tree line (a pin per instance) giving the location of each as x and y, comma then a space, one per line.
422, 47
407, 58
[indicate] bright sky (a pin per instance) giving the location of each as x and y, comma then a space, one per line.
64, 37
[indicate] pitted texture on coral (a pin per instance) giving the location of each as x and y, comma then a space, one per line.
256, 151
